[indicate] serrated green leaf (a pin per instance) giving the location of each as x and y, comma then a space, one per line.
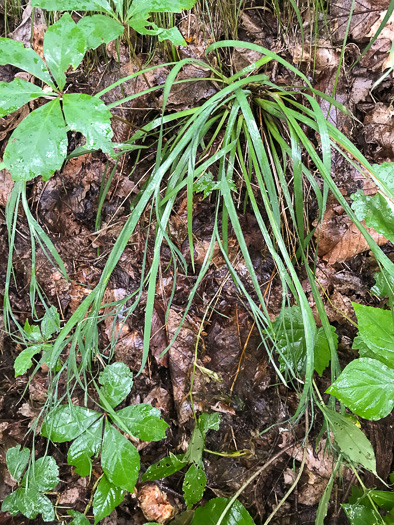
211, 512
17, 461
143, 422
42, 475
99, 29
209, 422
32, 332
50, 323
13, 52
351, 440
67, 422
85, 446
38, 146
360, 515
384, 286
376, 329
106, 498
79, 518
15, 94
64, 46
117, 380
322, 349
165, 467
375, 211
120, 459
194, 485
30, 503
24, 360
366, 386
72, 5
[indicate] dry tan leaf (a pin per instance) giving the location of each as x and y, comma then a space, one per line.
154, 503
6, 185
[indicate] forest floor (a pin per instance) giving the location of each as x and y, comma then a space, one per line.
251, 401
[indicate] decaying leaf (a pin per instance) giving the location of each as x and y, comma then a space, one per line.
154, 503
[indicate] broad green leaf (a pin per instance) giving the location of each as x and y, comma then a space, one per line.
13, 52
159, 6
120, 459
30, 503
322, 349
71, 5
360, 515
383, 498
117, 380
84, 447
384, 286
211, 512
385, 172
50, 323
99, 29
165, 467
376, 328
209, 422
375, 211
42, 475
78, 518
24, 360
67, 422
196, 447
143, 421
144, 27
351, 440
106, 498
38, 146
91, 117
366, 386
194, 485
17, 461
16, 94
32, 332
64, 46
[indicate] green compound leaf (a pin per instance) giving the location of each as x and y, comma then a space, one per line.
50, 323
13, 52
106, 498
79, 518
120, 459
358, 514
64, 46
143, 421
351, 440
30, 503
91, 117
376, 330
366, 386
17, 461
99, 29
194, 485
165, 467
376, 212
71, 5
67, 422
43, 475
32, 332
38, 146
196, 447
291, 343
117, 380
209, 422
322, 349
24, 360
211, 512
84, 447
384, 286
15, 94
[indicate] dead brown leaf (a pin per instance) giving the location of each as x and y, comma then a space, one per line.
154, 503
